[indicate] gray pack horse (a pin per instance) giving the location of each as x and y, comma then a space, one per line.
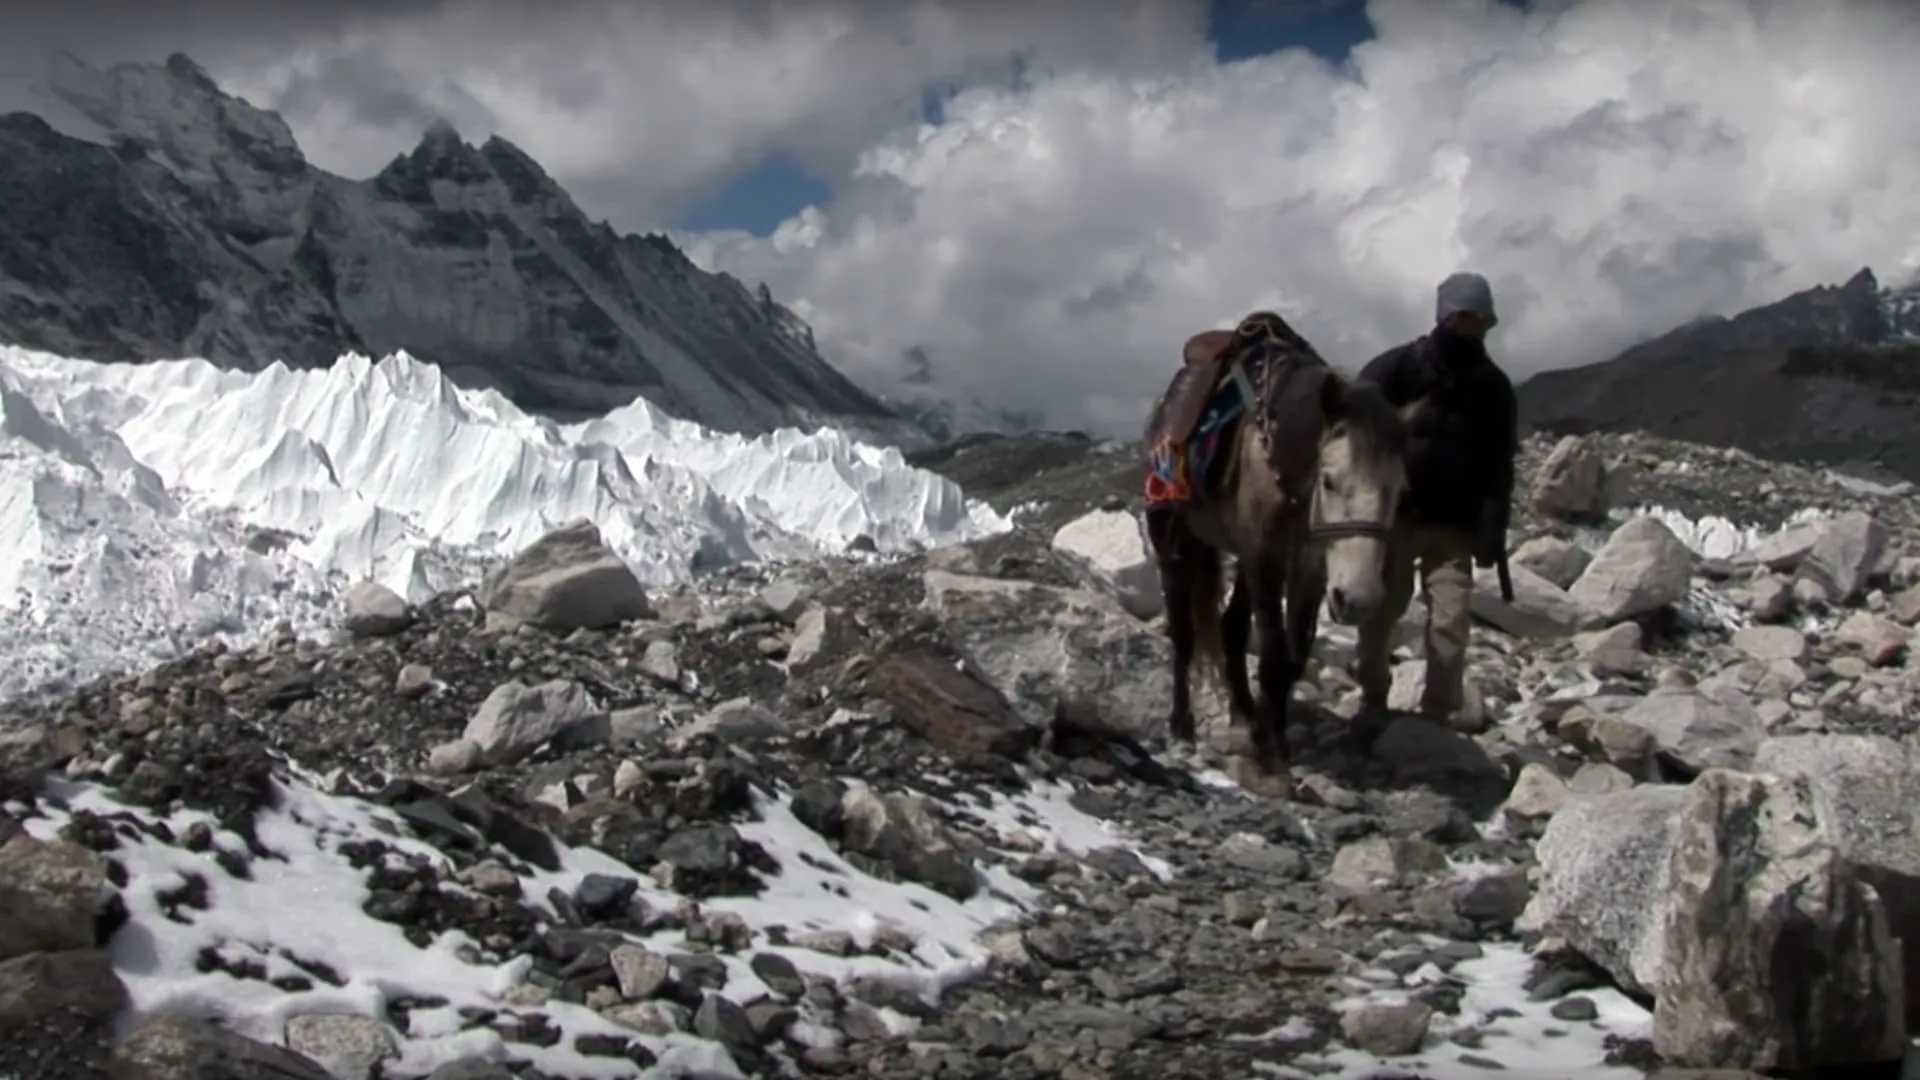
1260, 450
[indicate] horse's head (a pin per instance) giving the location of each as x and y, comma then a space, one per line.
1362, 477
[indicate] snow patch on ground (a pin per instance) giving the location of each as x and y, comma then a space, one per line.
246, 920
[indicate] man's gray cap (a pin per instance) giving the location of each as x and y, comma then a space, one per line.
1464, 292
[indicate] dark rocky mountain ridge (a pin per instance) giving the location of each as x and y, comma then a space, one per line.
1829, 375
165, 218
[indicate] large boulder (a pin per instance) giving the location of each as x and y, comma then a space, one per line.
1694, 731
1868, 783
1539, 609
1111, 541
1641, 568
516, 718
1777, 955
567, 580
1844, 556
1042, 645
52, 894
1606, 880
1572, 482
370, 609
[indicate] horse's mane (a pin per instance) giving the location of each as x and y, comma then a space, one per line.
1375, 429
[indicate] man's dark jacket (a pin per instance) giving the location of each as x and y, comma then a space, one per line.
1461, 447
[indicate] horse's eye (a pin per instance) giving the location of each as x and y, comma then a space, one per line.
1326, 481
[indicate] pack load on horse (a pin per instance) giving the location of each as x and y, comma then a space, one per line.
1260, 450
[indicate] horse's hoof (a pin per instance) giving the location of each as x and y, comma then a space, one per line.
1262, 780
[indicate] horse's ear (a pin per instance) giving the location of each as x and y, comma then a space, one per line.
1333, 396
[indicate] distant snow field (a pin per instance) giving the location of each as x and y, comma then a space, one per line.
143, 507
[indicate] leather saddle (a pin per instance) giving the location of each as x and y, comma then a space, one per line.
1206, 361
1206, 346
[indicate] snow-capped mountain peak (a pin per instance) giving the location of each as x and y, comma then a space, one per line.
202, 231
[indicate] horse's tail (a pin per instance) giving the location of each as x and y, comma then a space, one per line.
1206, 588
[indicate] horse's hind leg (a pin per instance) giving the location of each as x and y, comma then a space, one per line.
1173, 551
1236, 630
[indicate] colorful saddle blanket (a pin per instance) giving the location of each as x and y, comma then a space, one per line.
1180, 470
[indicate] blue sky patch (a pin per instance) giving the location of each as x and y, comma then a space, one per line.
776, 188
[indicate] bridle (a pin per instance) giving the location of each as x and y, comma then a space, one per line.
1326, 532
1329, 531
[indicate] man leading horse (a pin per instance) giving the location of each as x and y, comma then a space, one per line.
1460, 473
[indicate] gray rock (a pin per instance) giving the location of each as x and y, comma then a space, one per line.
1540, 609
52, 894
370, 609
1770, 643
1867, 783
902, 830
1787, 549
37, 988
1605, 880
516, 718
1572, 481
180, 1048
1044, 645
1558, 561
661, 663
1845, 553
1700, 731
1113, 543
1387, 1029
818, 633
1641, 568
344, 1044
1762, 898
642, 973
1377, 861
566, 580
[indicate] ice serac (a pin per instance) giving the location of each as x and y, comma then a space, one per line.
189, 499
193, 226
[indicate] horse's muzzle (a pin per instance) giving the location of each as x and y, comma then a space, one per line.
1346, 609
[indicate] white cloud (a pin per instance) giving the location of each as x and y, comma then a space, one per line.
1614, 166
642, 108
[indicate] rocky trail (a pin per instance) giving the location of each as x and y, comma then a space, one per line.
917, 818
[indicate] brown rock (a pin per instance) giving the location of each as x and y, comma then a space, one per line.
951, 708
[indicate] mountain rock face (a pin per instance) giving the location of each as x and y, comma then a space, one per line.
1828, 375
165, 218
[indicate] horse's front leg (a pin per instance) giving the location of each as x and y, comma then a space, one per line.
1268, 583
1306, 588
1236, 631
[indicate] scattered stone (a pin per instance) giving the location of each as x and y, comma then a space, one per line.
566, 580
370, 609
1657, 747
